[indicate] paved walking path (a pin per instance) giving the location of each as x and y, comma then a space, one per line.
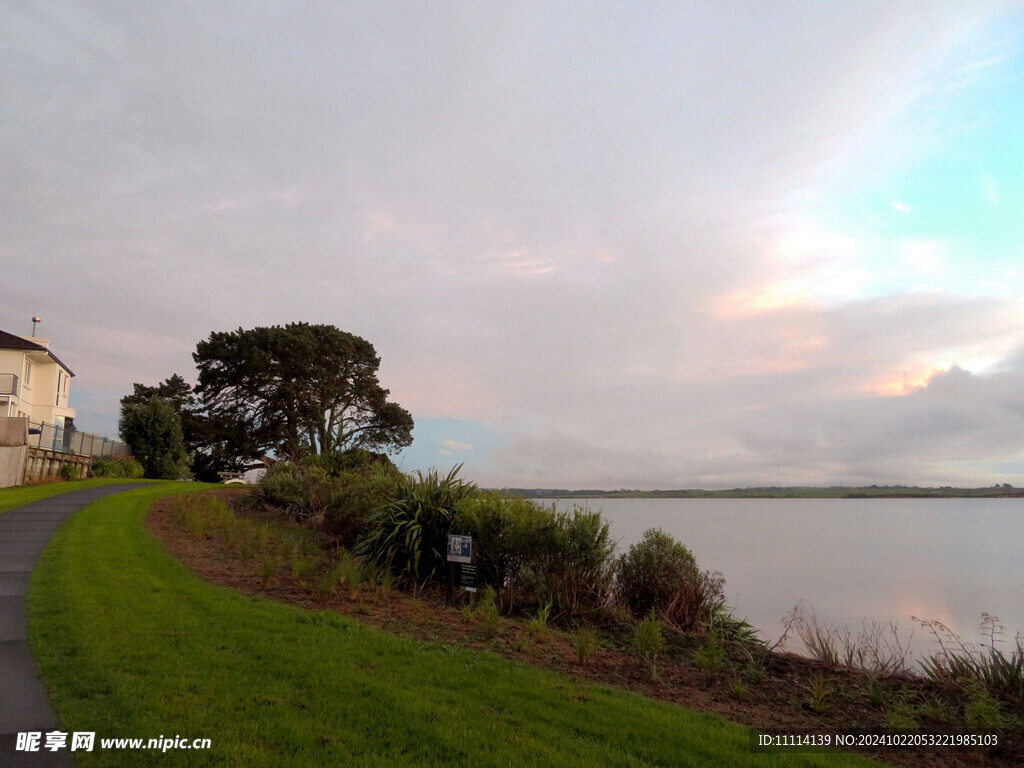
24, 704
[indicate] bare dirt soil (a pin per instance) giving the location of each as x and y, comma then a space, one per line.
779, 703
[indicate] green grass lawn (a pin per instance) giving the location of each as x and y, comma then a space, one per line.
132, 644
23, 494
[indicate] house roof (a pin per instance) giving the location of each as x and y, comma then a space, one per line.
10, 341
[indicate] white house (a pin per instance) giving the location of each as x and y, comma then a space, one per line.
33, 381
250, 474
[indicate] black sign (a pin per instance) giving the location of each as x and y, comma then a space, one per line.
467, 577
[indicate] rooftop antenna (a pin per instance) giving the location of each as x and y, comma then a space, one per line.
35, 321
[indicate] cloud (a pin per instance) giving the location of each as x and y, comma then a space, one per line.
454, 445
900, 207
600, 239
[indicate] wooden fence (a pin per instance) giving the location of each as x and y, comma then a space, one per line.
12, 465
32, 458
13, 450
44, 464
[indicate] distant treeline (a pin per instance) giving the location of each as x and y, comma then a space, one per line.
775, 492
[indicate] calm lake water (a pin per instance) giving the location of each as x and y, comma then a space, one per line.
851, 559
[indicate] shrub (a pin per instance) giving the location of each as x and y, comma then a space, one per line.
347, 572
877, 695
901, 718
820, 692
727, 626
267, 567
408, 535
570, 563
202, 516
485, 610
585, 642
877, 649
339, 463
934, 708
982, 712
247, 538
335, 492
127, 468
506, 531
659, 573
353, 497
521, 548
738, 689
755, 672
538, 625
68, 471
649, 642
711, 655
301, 565
962, 664
281, 486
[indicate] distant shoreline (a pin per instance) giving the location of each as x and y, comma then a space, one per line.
775, 492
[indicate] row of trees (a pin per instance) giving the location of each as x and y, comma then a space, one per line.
290, 390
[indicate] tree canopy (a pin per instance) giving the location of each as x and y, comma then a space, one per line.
297, 389
207, 450
153, 429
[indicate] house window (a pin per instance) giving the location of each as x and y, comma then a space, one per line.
59, 374
28, 374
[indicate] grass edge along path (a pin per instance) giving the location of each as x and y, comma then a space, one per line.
132, 644
26, 494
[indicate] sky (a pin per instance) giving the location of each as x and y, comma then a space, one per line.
595, 244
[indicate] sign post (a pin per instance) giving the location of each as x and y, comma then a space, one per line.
460, 550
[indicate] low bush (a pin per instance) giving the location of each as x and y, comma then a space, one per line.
535, 553
506, 532
485, 610
247, 538
982, 712
570, 562
959, 663
711, 656
538, 626
126, 468
340, 463
659, 573
282, 486
934, 708
649, 642
335, 492
878, 650
820, 693
352, 499
409, 534
346, 572
585, 641
203, 516
901, 717
738, 689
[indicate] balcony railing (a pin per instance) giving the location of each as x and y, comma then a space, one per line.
9, 384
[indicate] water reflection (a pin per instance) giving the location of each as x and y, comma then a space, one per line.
853, 560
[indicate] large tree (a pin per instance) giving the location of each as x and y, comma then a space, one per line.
153, 429
206, 447
178, 393
297, 389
